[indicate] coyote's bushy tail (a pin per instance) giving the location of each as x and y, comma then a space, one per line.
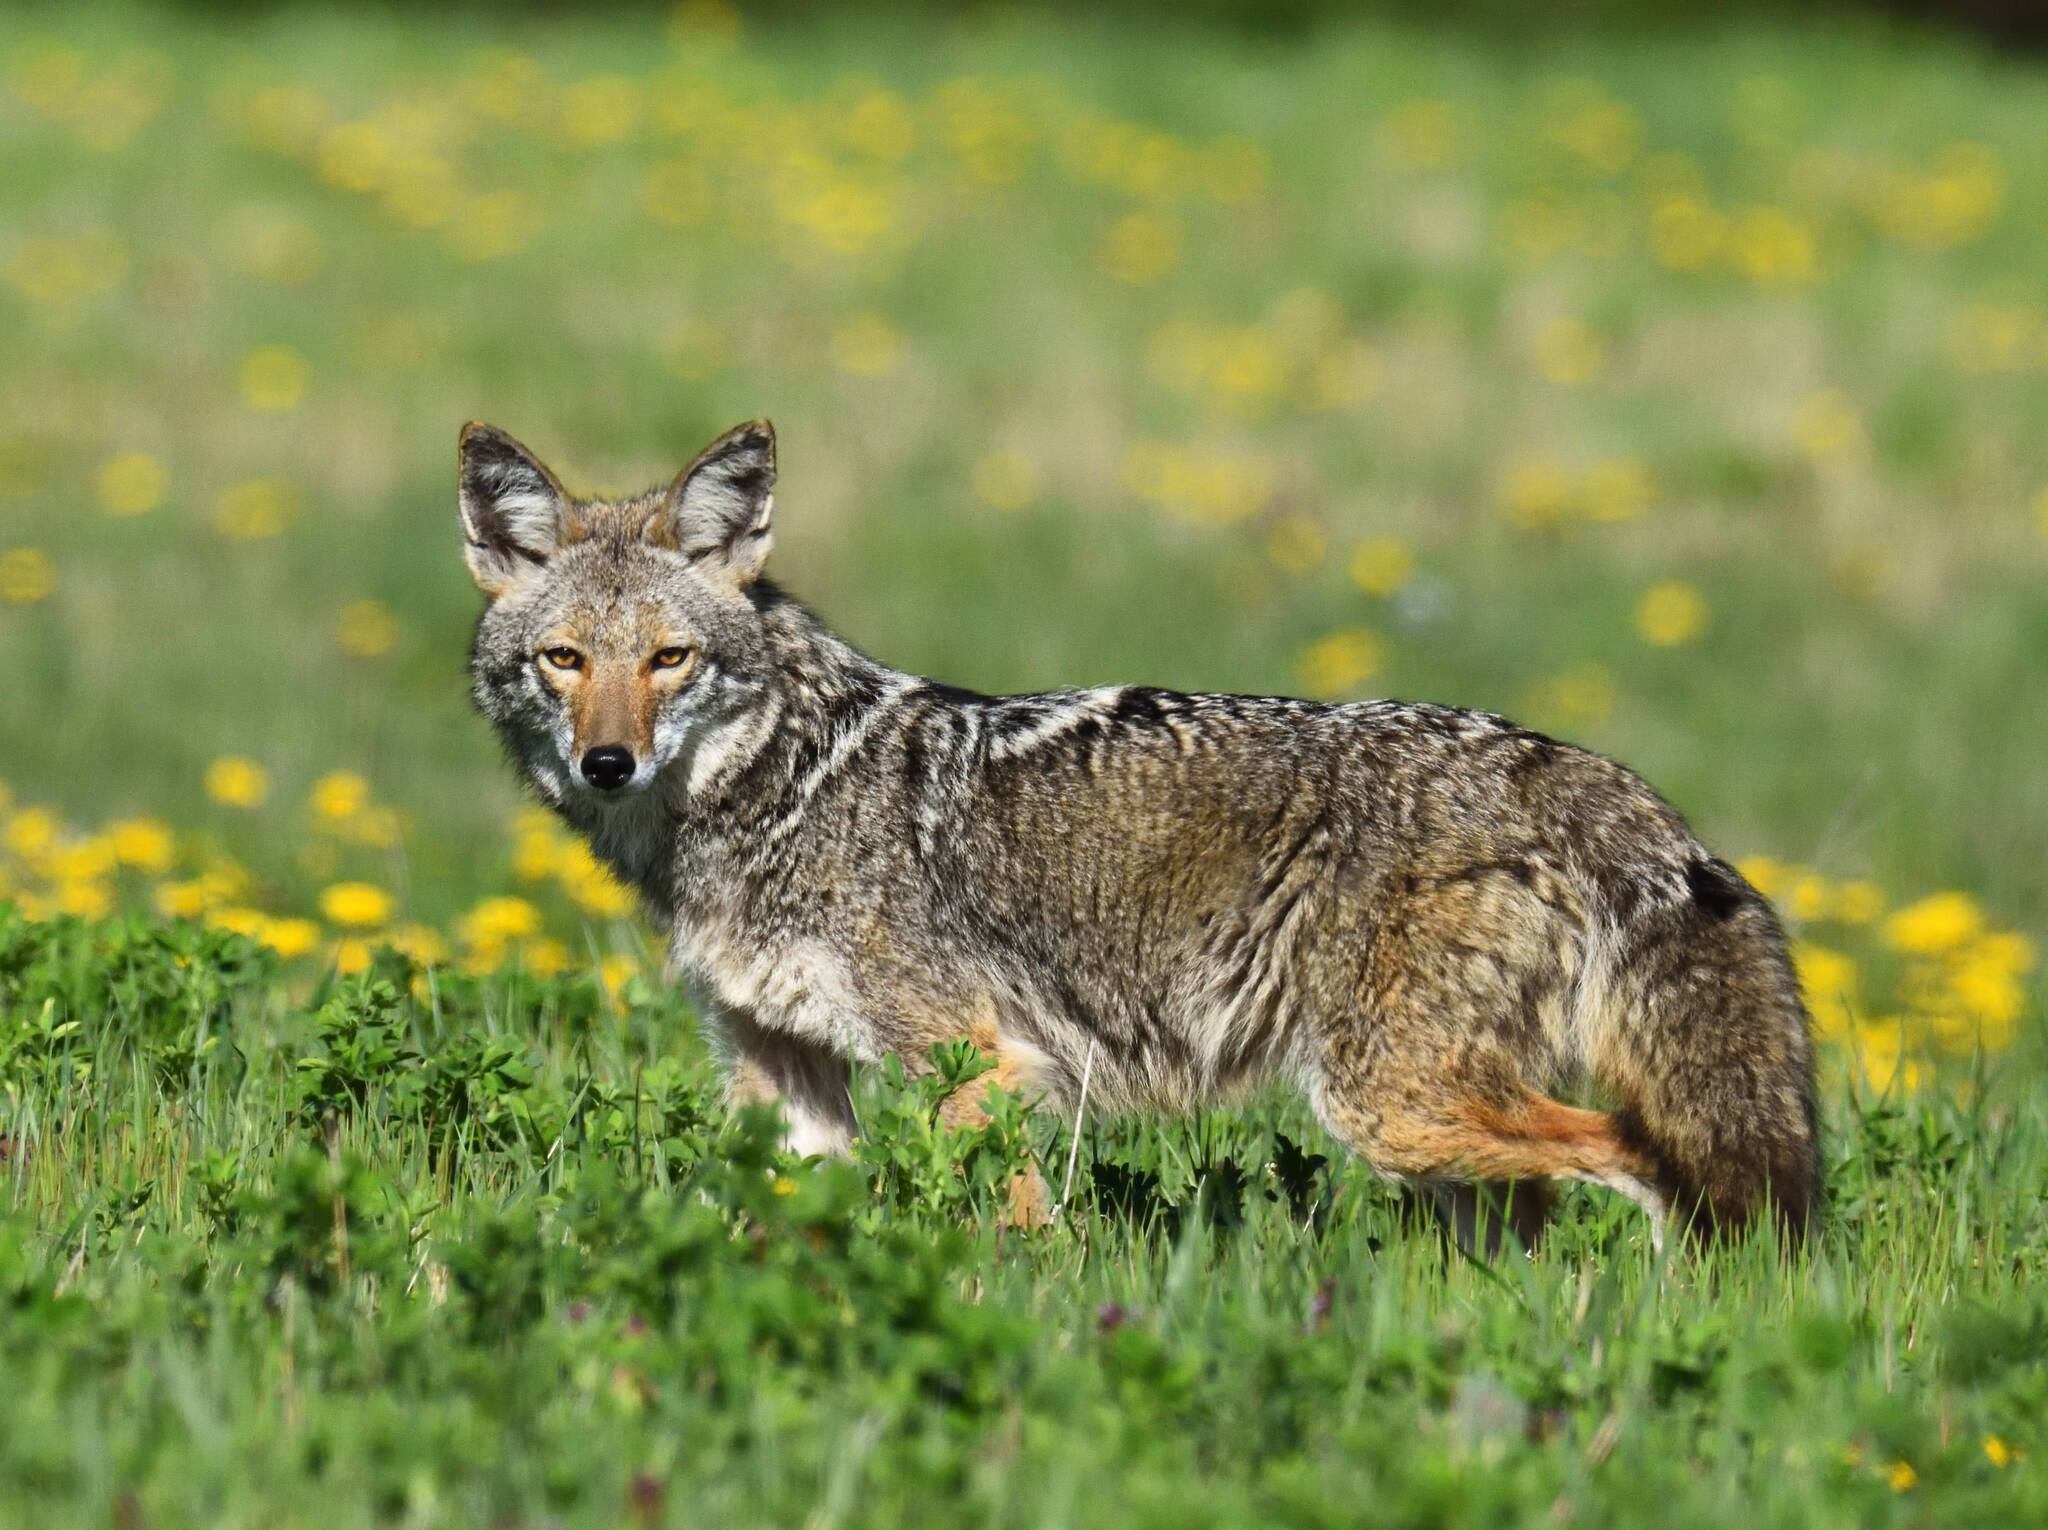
1704, 1040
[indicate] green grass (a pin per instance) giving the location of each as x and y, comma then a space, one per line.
1097, 345
489, 1257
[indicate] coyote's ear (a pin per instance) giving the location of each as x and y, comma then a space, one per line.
719, 506
514, 511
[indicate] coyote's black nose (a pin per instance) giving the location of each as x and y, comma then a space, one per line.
608, 768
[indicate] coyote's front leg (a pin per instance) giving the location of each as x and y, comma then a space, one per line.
808, 1082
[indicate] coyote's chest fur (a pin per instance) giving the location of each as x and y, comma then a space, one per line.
1424, 918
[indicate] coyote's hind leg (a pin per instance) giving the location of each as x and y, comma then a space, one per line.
1030, 1201
1482, 1215
1516, 1135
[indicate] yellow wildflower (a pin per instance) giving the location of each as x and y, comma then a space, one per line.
26, 576
1900, 1477
423, 943
615, 970
1941, 922
32, 834
1858, 902
289, 937
1671, 613
1381, 565
1536, 492
496, 920
339, 795
356, 903
130, 483
1340, 663
1997, 1452
352, 954
259, 507
143, 843
273, 379
366, 628
236, 782
545, 957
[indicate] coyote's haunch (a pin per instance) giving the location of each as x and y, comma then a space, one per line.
1426, 919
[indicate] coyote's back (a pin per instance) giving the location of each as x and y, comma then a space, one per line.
1429, 920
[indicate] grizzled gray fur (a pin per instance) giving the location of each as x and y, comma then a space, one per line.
1429, 921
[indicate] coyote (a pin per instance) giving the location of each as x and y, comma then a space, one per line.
1428, 920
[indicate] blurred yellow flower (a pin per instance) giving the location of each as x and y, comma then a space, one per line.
1772, 248
545, 956
1671, 613
1141, 248
180, 900
273, 379
1618, 490
1296, 542
1686, 233
143, 843
32, 834
496, 920
591, 884
1858, 902
358, 904
1536, 492
604, 109
130, 483
1334, 666
236, 782
352, 954
1766, 875
882, 127
366, 629
867, 345
1900, 1477
257, 508
240, 920
1381, 565
615, 971
1879, 1051
538, 845
26, 576
85, 899
1569, 353
423, 943
1826, 425
493, 224
1938, 923
1828, 981
1808, 898
1006, 479
289, 937
1997, 1452
339, 795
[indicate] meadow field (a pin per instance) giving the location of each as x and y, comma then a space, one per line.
1677, 390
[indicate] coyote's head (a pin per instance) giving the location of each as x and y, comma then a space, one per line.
620, 636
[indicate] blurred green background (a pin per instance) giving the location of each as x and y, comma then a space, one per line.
1676, 389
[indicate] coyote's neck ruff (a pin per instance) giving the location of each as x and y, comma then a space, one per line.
1427, 919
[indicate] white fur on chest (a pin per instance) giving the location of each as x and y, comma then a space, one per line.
798, 987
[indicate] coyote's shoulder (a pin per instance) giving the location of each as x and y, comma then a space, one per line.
1427, 919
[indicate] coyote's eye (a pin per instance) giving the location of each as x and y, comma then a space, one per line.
670, 658
563, 658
